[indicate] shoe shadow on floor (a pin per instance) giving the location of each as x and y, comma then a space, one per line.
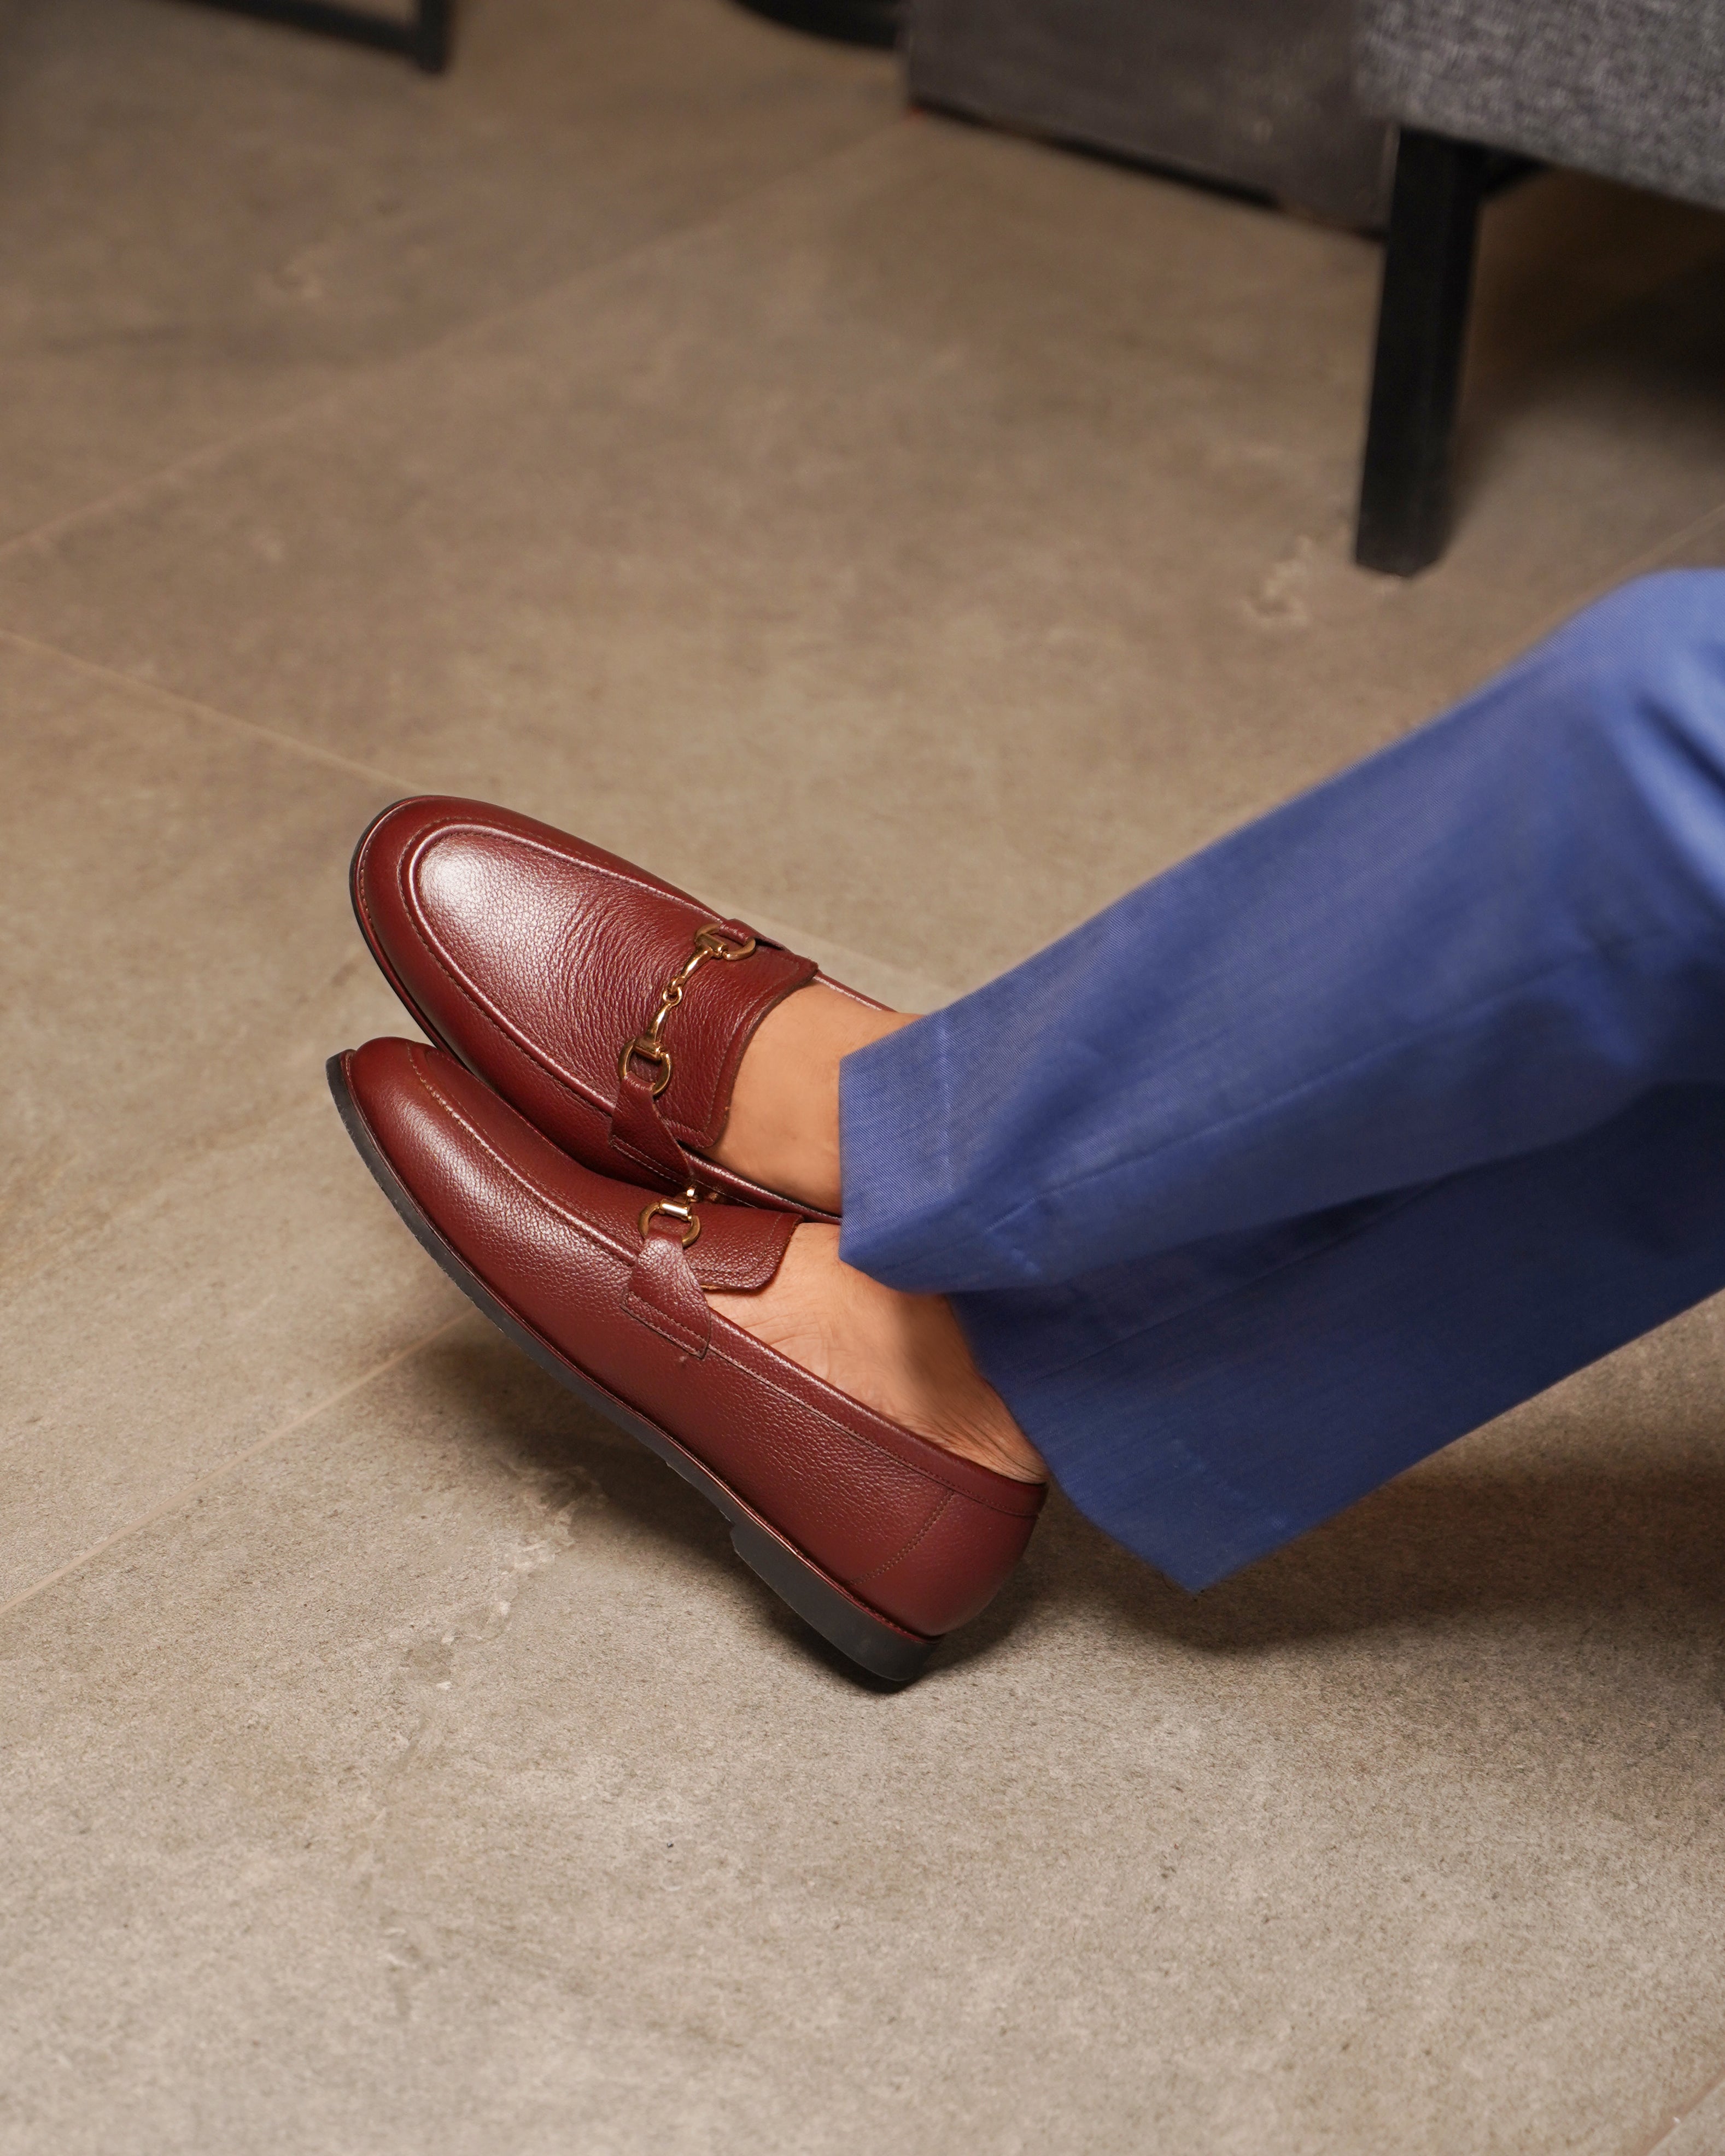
1591, 297
538, 1434
1632, 1552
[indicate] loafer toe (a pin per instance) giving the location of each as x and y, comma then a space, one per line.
608, 1007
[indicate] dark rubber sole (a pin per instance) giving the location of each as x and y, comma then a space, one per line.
861, 1635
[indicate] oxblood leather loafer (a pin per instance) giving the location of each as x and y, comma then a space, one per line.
881, 1540
610, 1008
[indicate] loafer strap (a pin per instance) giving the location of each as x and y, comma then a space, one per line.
668, 1073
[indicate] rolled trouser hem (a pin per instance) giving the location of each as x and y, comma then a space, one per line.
899, 1222
1204, 1434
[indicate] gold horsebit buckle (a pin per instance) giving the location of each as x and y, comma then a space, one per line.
676, 1208
709, 942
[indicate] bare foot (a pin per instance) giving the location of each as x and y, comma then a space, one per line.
902, 1355
782, 1130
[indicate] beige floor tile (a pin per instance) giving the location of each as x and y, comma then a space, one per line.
1701, 2132
907, 537
179, 956
189, 1255
1562, 252
244, 1292
209, 221
970, 516
437, 1780
1702, 548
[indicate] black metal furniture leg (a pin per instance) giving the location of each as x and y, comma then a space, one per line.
1422, 324
431, 36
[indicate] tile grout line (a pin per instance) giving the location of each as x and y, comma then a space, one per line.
213, 714
1650, 557
1638, 565
1675, 2120
136, 686
1644, 563
46, 533
226, 1467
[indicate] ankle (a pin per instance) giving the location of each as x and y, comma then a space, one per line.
782, 1130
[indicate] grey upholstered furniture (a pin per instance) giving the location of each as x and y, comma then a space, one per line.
1256, 92
1633, 89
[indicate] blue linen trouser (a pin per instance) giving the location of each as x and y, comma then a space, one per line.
1359, 1127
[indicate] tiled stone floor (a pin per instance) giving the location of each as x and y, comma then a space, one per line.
912, 535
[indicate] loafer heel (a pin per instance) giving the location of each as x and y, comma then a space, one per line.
885, 1650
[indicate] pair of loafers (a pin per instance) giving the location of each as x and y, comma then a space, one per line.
551, 1150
